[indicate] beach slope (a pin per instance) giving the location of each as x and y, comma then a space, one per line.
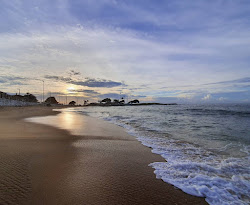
41, 164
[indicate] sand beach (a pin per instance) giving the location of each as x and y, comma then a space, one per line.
41, 164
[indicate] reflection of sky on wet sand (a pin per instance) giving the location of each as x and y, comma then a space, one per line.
79, 124
67, 120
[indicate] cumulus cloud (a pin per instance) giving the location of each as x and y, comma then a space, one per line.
207, 97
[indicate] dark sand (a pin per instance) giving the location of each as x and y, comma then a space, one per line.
40, 164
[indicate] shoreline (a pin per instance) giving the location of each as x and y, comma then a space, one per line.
70, 169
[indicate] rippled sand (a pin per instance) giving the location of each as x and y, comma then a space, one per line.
45, 165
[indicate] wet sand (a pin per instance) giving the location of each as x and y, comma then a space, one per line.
40, 164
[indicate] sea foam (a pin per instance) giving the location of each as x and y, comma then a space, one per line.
197, 170
200, 173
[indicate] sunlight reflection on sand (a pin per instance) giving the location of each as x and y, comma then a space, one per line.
78, 124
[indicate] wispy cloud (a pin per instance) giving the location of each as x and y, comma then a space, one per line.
88, 82
175, 48
74, 73
13, 80
58, 78
97, 83
88, 92
241, 80
111, 95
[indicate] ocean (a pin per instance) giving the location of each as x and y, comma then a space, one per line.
206, 147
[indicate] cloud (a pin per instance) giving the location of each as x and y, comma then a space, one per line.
56, 93
207, 97
112, 95
165, 45
167, 99
87, 91
222, 99
229, 82
97, 83
74, 73
137, 96
241, 80
88, 82
200, 91
14, 80
236, 96
58, 78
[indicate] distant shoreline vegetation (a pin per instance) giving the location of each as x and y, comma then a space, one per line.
24, 98
139, 104
30, 99
108, 102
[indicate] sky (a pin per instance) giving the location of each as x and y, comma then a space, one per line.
153, 50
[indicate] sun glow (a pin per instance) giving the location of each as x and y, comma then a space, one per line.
71, 90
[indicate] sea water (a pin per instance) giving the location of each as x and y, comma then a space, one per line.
206, 147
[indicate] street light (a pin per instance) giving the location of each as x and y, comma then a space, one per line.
43, 91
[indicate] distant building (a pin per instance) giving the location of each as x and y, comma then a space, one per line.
26, 98
17, 100
17, 97
3, 95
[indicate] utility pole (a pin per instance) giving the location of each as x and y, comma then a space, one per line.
50, 97
43, 91
19, 91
